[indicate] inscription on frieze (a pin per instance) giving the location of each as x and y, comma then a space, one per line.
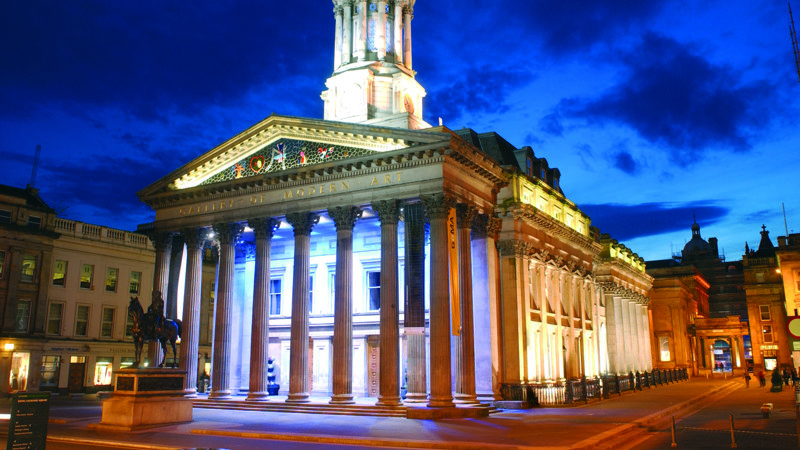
160, 384
124, 383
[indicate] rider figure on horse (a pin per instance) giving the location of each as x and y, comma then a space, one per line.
156, 311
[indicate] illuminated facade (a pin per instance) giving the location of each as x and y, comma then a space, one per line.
65, 287
369, 253
788, 253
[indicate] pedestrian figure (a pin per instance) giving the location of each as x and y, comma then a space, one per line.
786, 376
762, 378
747, 378
794, 376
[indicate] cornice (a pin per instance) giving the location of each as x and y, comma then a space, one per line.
542, 221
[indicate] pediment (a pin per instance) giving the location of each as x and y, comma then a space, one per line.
280, 143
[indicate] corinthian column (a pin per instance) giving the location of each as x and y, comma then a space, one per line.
407, 35
264, 229
298, 359
195, 238
398, 32
345, 218
465, 343
389, 214
347, 32
414, 314
223, 326
437, 207
163, 245
363, 25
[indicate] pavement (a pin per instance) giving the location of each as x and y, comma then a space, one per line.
604, 424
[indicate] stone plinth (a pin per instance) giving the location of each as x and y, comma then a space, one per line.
146, 398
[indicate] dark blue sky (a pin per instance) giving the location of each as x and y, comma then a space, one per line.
652, 110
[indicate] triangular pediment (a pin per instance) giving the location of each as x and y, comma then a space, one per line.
280, 143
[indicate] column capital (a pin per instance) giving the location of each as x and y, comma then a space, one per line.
302, 222
264, 227
514, 248
388, 210
162, 240
465, 214
345, 217
437, 206
195, 237
480, 225
227, 233
338, 10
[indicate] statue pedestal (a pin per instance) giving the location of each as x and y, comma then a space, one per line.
146, 398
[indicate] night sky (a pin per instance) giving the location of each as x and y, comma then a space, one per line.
655, 112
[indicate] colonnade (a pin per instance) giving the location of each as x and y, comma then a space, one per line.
352, 35
435, 207
628, 330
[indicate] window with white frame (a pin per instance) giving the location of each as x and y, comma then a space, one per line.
663, 344
275, 285
107, 322
28, 268
331, 285
82, 320
5, 216
310, 293
128, 326
373, 288
54, 316
767, 331
2, 263
60, 273
34, 222
136, 281
111, 279
87, 274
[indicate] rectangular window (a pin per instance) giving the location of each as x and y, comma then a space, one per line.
34, 222
50, 368
28, 268
107, 322
111, 279
60, 273
87, 273
529, 167
332, 286
764, 309
136, 281
54, 319
82, 320
374, 290
2, 263
767, 333
663, 344
275, 296
5, 216
102, 370
129, 327
23, 316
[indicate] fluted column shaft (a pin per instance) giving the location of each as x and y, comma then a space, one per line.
407, 36
389, 214
298, 358
437, 207
398, 33
190, 339
414, 313
223, 326
163, 246
345, 218
361, 45
347, 33
337, 46
465, 342
264, 229
380, 32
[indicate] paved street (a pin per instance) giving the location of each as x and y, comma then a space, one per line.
606, 424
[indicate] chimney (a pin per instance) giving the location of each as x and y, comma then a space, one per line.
712, 242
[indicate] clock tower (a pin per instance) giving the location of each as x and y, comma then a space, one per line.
373, 80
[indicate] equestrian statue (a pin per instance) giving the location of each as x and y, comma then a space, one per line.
153, 326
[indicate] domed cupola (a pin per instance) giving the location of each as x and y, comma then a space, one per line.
697, 247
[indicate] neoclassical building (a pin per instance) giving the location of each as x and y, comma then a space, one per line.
371, 254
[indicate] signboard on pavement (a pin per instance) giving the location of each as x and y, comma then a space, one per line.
27, 428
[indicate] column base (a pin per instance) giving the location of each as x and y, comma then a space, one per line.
465, 399
441, 403
257, 397
416, 397
388, 401
190, 393
342, 399
219, 395
301, 397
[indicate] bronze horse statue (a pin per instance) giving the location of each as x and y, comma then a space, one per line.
145, 329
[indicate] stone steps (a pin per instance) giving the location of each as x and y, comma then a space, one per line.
307, 408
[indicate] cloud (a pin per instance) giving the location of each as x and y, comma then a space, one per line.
626, 222
677, 100
477, 90
624, 162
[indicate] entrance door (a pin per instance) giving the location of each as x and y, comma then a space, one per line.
77, 373
722, 356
